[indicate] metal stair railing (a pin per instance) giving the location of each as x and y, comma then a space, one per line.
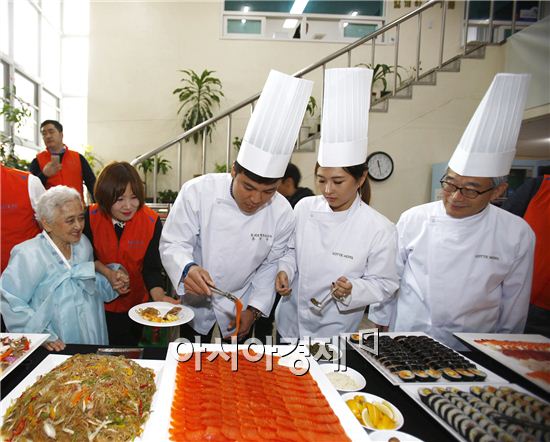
371, 38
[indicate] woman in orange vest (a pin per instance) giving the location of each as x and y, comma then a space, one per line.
123, 230
19, 196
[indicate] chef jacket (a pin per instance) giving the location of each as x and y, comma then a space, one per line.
40, 294
358, 243
240, 251
468, 274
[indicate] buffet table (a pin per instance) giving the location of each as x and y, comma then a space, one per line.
417, 421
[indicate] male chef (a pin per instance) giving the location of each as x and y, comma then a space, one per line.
229, 230
465, 264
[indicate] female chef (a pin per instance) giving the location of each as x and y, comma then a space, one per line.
123, 230
340, 242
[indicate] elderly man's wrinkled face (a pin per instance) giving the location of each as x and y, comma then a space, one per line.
459, 206
68, 224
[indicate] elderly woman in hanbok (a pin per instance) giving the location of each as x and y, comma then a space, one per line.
50, 284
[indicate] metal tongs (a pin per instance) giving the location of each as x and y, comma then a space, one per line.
320, 305
227, 295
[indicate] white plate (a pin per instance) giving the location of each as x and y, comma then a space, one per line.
517, 365
385, 435
158, 426
373, 398
412, 391
184, 315
345, 371
492, 378
52, 361
36, 340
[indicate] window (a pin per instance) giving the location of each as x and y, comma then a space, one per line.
250, 26
357, 30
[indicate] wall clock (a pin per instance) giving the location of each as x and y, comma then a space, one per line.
380, 166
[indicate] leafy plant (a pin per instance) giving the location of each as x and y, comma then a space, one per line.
198, 97
163, 166
380, 71
237, 143
93, 160
167, 196
14, 111
311, 106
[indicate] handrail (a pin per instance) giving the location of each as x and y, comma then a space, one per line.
322, 64
298, 74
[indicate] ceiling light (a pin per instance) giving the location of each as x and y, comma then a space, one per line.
290, 23
243, 20
298, 6
246, 9
354, 13
345, 24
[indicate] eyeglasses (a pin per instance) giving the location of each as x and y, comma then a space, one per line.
466, 193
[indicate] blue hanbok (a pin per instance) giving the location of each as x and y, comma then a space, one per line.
42, 292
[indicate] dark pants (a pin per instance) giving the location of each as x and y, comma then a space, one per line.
122, 330
538, 321
264, 326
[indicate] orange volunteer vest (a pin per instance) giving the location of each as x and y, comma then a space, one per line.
129, 251
538, 217
69, 175
17, 215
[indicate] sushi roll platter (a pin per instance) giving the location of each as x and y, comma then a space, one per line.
416, 357
485, 413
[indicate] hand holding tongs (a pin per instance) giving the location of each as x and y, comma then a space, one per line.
320, 305
227, 295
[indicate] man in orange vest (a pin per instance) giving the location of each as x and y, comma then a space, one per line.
532, 202
20, 192
58, 165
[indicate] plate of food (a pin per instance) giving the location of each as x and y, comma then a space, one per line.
373, 412
415, 357
343, 378
81, 397
484, 412
160, 314
16, 347
528, 355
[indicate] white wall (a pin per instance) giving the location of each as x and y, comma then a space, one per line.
136, 49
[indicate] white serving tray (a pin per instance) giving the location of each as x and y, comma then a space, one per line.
412, 391
492, 378
36, 340
158, 426
52, 361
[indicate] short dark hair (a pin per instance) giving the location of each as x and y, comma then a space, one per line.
56, 123
257, 178
293, 172
112, 182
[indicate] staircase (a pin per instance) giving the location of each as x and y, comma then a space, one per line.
399, 90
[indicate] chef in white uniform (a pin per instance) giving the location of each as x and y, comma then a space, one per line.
340, 241
229, 230
466, 264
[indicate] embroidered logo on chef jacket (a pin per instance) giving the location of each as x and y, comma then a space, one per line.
341, 255
488, 257
260, 236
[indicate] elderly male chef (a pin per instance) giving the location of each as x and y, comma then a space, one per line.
466, 264
229, 230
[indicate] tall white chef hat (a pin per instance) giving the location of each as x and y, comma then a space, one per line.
345, 125
273, 128
488, 145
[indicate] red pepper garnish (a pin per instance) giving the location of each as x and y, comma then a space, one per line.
20, 427
4, 355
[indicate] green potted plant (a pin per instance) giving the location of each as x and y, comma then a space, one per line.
198, 97
163, 166
379, 80
222, 168
167, 196
14, 111
311, 120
